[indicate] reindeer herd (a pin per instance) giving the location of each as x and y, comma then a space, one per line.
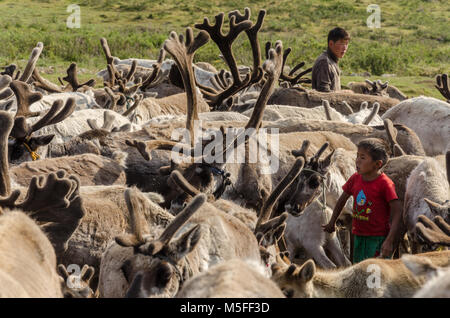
94, 204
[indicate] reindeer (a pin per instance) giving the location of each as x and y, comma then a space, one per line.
395, 279
77, 286
232, 279
427, 193
27, 259
241, 174
406, 137
438, 278
324, 112
377, 88
313, 98
209, 237
429, 118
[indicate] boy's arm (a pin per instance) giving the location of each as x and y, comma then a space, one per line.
387, 249
330, 227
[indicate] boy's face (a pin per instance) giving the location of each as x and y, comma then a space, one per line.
365, 164
339, 47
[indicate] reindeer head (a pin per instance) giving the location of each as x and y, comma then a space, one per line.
376, 88
23, 145
310, 181
160, 259
295, 281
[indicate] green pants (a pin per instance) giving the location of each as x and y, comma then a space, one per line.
366, 247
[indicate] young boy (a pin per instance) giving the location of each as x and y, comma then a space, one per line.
374, 199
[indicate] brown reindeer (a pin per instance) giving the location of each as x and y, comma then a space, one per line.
248, 179
313, 98
370, 278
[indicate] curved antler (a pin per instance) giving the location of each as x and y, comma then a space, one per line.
183, 53
267, 208
6, 124
442, 84
157, 245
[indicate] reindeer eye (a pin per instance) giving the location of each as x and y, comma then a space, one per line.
313, 182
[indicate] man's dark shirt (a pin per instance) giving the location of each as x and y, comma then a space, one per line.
326, 72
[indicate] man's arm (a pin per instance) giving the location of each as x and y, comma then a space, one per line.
324, 77
396, 211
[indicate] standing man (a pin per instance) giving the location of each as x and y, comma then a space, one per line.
326, 72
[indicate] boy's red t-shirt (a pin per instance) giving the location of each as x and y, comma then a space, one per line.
371, 199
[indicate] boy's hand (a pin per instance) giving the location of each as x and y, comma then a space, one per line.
330, 227
387, 249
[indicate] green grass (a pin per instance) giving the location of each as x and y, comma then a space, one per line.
413, 41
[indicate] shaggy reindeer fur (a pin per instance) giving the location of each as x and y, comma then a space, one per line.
27, 259
106, 217
406, 138
304, 232
427, 181
395, 279
89, 168
171, 105
438, 278
430, 120
222, 237
313, 98
232, 279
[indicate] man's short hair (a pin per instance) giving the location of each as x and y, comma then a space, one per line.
375, 148
338, 34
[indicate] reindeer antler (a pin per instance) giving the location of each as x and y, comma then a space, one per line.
5, 91
436, 232
272, 66
373, 113
72, 78
25, 97
443, 86
6, 124
54, 202
183, 53
290, 78
391, 132
238, 23
152, 79
181, 219
252, 34
35, 53
264, 221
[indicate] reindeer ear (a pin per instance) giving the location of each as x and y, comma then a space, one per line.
187, 242
36, 142
307, 271
62, 271
325, 163
87, 273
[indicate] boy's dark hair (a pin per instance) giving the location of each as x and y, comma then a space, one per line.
338, 34
375, 148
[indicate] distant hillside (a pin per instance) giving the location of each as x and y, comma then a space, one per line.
414, 38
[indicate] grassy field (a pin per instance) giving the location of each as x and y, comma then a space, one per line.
413, 42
